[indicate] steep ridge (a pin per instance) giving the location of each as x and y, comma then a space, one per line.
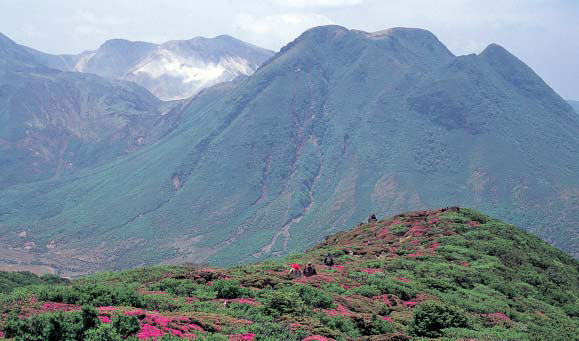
337, 124
446, 274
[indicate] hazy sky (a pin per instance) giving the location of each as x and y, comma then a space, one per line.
543, 33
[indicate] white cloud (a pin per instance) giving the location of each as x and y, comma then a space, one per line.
270, 30
318, 3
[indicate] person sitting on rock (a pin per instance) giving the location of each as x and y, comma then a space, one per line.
295, 271
310, 270
372, 218
329, 261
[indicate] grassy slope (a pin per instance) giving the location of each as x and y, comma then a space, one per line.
410, 275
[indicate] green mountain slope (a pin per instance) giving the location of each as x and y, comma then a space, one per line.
447, 274
337, 124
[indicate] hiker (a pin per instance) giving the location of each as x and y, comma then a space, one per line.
295, 271
329, 261
372, 218
309, 270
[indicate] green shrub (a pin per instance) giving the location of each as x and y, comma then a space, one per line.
229, 289
315, 297
284, 302
373, 326
365, 290
431, 317
161, 303
389, 286
88, 294
53, 326
126, 325
105, 332
358, 276
399, 229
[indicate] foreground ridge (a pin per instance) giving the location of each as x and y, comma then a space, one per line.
451, 273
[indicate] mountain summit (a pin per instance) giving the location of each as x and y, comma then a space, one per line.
337, 124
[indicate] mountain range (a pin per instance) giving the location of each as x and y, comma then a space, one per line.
338, 124
55, 120
173, 70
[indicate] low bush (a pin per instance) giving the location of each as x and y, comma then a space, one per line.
431, 317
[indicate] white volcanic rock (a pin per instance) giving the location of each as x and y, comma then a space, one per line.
176, 69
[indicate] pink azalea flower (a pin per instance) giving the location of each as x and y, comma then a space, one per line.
194, 327
388, 318
175, 332
316, 338
242, 337
106, 309
105, 319
149, 332
371, 271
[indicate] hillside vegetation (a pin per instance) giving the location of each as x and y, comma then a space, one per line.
448, 274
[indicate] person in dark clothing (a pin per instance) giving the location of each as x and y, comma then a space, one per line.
372, 218
309, 270
329, 261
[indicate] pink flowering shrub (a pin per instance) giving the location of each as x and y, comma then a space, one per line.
54, 306
341, 310
136, 312
105, 319
108, 309
242, 337
473, 223
371, 271
149, 332
383, 233
414, 255
433, 221
498, 318
317, 338
402, 279
388, 319
434, 246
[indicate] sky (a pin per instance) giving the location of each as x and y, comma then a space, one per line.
542, 33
